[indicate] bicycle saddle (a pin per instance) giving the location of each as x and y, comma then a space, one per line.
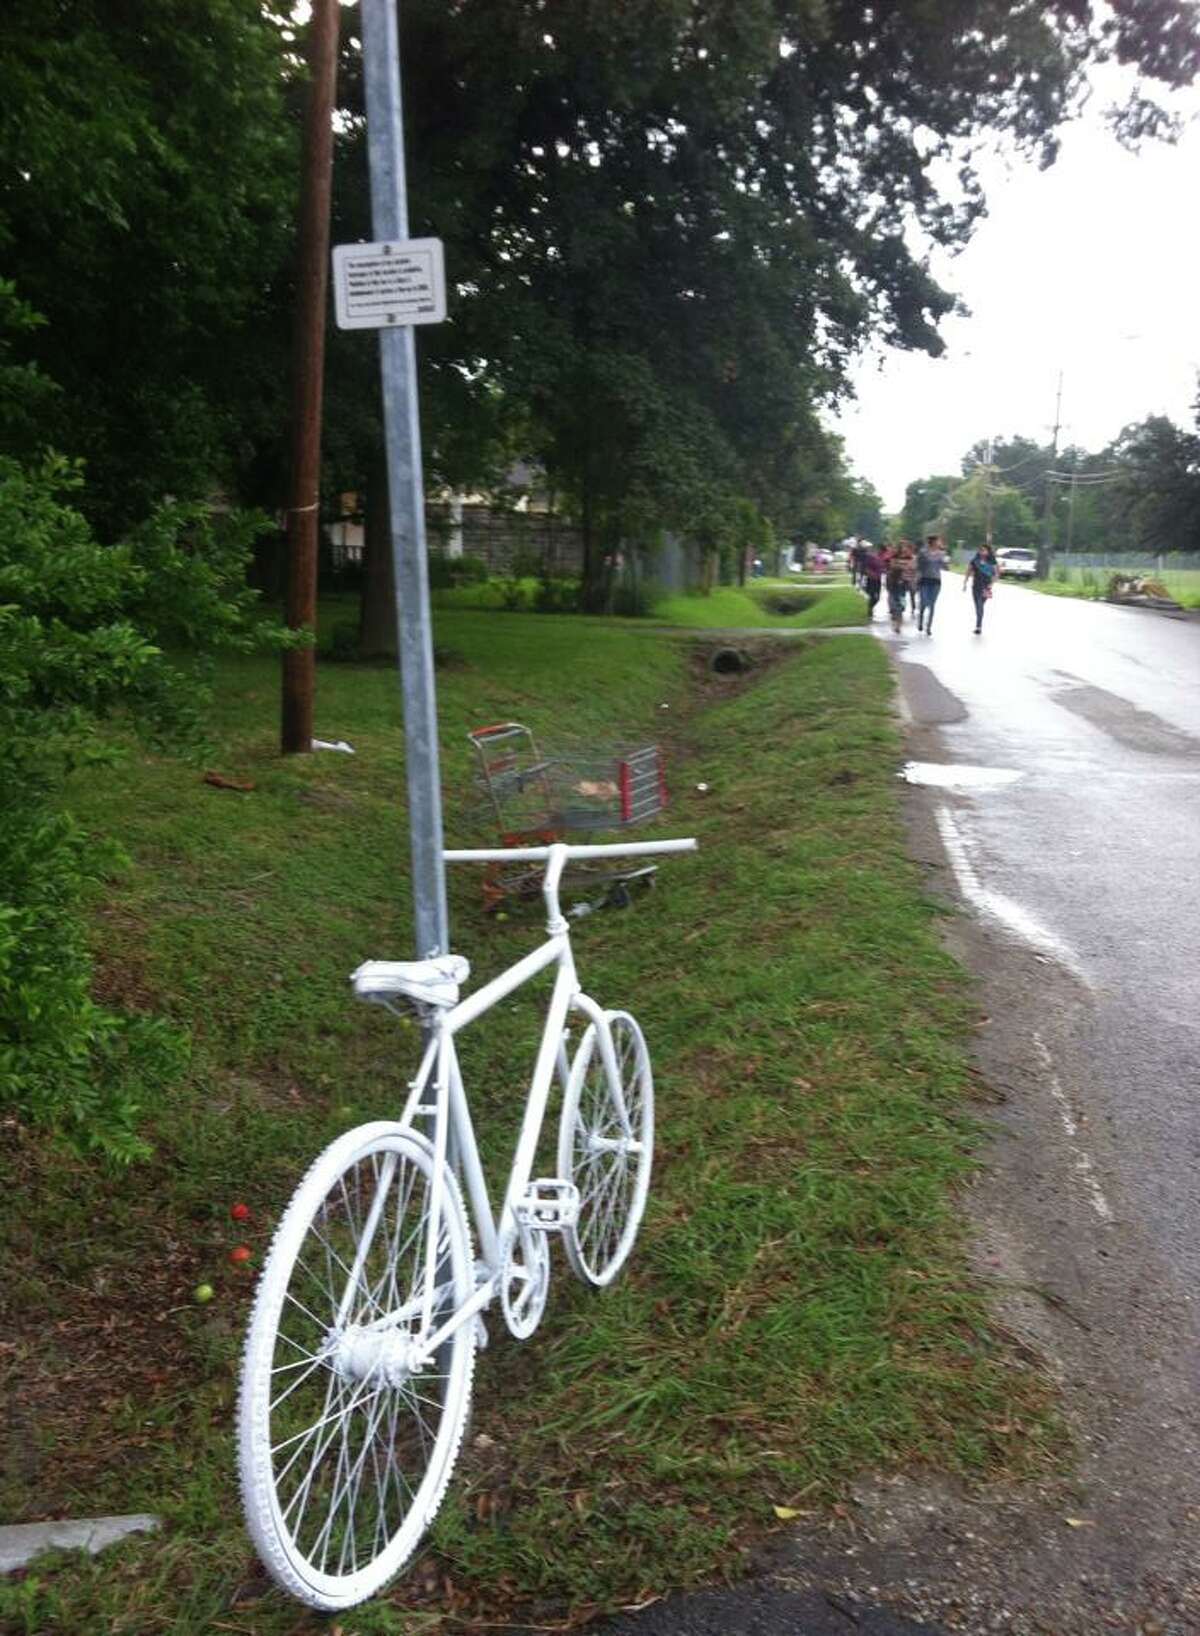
428, 982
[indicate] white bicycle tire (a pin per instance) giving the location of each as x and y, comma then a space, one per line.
594, 1251
280, 1552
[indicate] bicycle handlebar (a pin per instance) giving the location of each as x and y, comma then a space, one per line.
530, 854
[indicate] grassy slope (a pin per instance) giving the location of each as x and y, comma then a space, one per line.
796, 1308
732, 608
728, 607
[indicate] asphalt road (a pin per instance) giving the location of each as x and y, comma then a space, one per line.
1062, 811
1094, 848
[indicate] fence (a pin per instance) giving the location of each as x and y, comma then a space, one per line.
1130, 561
501, 537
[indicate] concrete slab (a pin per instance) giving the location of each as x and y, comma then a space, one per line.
21, 1542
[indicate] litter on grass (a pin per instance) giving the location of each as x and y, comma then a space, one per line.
325, 744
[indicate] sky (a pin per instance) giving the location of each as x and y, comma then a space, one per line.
1091, 268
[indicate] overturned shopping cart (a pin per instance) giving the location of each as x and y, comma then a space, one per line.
535, 798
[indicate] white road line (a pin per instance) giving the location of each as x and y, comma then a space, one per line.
999, 907
1083, 1165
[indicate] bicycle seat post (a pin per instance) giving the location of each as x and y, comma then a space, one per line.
555, 921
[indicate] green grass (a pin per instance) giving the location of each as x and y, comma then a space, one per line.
1183, 584
731, 608
1092, 583
830, 603
797, 1307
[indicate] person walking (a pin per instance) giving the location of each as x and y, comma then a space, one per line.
981, 576
871, 571
912, 584
931, 560
900, 574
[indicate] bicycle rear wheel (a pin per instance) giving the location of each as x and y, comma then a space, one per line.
607, 1158
344, 1450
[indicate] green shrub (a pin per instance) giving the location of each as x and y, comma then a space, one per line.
446, 571
635, 599
83, 633
527, 564
343, 646
514, 594
557, 596
67, 1063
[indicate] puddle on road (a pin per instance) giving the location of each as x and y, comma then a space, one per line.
954, 776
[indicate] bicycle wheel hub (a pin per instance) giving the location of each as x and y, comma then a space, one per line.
612, 1144
384, 1355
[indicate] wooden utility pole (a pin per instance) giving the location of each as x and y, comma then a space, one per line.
299, 665
1043, 562
987, 489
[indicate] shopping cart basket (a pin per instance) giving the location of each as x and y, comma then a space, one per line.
534, 798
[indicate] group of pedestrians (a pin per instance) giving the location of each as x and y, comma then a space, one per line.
912, 578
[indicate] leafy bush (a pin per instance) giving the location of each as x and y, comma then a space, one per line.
527, 564
446, 571
514, 594
634, 599
343, 645
557, 596
83, 633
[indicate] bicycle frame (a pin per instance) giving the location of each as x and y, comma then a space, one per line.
449, 1110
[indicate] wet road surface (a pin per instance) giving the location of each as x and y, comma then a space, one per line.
1078, 878
1091, 854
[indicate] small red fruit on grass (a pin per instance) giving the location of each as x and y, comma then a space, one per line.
239, 1255
239, 1211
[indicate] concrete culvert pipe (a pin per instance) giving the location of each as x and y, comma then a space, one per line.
729, 661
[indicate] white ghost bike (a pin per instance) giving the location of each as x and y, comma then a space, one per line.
360, 1352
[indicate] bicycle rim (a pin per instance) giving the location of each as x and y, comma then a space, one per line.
609, 1163
344, 1453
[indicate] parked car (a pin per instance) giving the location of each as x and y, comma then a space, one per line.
1015, 562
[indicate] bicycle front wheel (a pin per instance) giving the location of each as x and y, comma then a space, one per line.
345, 1441
606, 1155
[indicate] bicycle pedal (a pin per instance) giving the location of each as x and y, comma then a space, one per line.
549, 1205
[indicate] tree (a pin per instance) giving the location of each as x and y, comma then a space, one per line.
1140, 492
1157, 494
926, 505
146, 202
1020, 462
866, 511
709, 206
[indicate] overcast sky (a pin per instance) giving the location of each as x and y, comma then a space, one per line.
1091, 267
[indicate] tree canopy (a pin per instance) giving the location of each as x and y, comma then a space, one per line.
669, 228
147, 184
1140, 493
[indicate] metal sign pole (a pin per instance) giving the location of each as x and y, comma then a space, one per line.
397, 352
